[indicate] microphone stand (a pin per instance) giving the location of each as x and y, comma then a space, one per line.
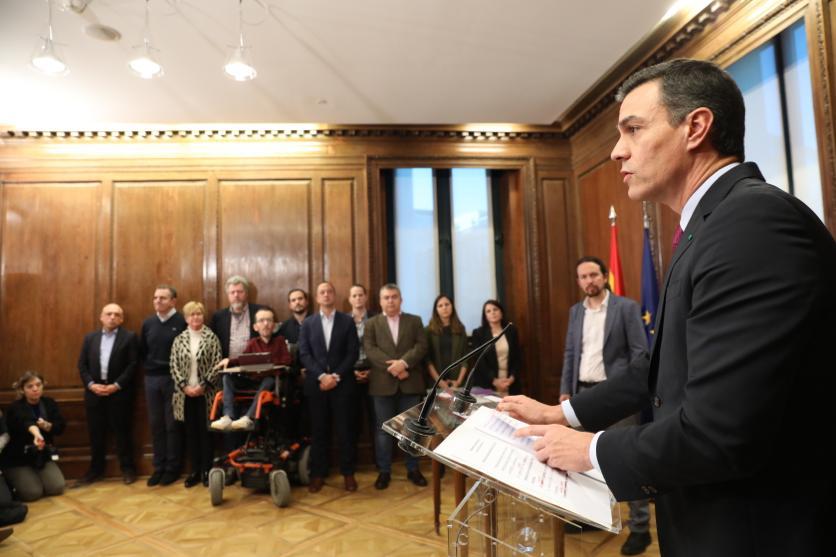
463, 399
418, 428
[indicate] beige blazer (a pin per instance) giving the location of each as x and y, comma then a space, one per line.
410, 346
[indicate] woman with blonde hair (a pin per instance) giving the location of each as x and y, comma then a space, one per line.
195, 354
29, 460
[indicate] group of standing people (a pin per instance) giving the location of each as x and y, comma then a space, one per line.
353, 363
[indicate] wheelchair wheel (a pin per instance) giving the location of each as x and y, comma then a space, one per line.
216, 486
304, 466
280, 488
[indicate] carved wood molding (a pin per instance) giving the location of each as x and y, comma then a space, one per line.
457, 133
696, 26
776, 11
825, 124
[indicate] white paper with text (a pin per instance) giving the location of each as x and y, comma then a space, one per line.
486, 442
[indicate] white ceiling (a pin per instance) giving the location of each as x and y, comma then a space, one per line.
329, 61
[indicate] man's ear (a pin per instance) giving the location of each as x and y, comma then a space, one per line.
699, 121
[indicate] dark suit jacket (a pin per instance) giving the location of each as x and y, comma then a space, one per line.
338, 358
222, 320
489, 366
411, 346
290, 330
123, 359
624, 340
741, 379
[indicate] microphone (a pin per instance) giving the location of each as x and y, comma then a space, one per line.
418, 430
463, 399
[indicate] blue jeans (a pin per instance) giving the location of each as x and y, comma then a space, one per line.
165, 431
238, 382
386, 407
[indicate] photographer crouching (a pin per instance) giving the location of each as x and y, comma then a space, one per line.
30, 459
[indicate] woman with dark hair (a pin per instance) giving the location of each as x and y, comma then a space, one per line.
500, 367
29, 459
446, 341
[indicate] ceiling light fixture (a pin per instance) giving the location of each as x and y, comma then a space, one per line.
238, 66
145, 65
45, 57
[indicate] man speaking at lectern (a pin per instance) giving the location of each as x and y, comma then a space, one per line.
741, 373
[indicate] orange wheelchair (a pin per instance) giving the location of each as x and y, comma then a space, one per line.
273, 455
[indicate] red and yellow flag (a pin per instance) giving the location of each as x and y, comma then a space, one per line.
616, 278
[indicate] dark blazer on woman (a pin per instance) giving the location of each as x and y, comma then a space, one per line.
19, 418
489, 366
457, 350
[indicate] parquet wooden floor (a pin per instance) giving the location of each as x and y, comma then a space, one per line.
109, 518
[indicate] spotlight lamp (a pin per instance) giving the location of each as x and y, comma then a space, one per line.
146, 65
238, 66
46, 58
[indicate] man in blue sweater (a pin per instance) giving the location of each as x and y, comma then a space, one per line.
158, 332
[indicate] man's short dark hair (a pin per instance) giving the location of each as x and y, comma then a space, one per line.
292, 290
686, 85
266, 308
592, 259
171, 290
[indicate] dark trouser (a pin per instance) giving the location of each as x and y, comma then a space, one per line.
386, 407
639, 520
327, 407
32, 483
364, 407
198, 440
165, 431
110, 412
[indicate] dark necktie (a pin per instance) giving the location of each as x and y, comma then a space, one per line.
677, 236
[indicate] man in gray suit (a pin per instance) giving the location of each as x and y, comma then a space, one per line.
605, 334
395, 345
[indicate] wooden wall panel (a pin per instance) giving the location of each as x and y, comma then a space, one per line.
598, 190
338, 221
158, 230
127, 225
47, 286
561, 284
265, 228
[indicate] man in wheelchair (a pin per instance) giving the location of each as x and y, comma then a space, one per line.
265, 324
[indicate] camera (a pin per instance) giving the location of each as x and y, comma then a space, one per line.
41, 457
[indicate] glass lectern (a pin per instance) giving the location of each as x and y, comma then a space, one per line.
493, 519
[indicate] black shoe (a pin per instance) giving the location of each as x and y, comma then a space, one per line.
416, 477
192, 479
5, 533
169, 478
382, 481
155, 478
636, 543
87, 479
129, 476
